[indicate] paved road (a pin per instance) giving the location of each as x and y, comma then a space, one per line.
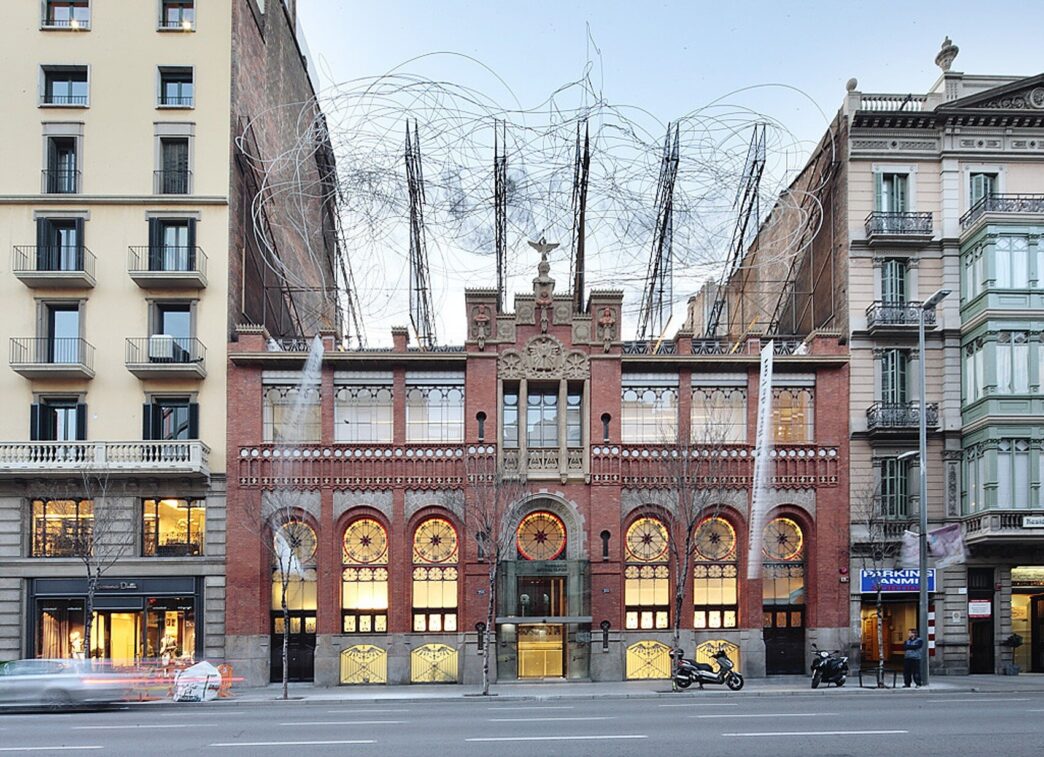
892, 723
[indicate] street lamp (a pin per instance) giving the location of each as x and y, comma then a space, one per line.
922, 454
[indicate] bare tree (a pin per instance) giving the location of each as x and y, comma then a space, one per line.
491, 502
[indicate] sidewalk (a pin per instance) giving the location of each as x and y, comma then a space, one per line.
780, 685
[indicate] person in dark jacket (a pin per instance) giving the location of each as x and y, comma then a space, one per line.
913, 648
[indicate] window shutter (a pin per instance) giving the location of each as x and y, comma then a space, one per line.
78, 226
44, 244
34, 422
879, 192
146, 421
81, 421
193, 420
155, 245
191, 257
900, 193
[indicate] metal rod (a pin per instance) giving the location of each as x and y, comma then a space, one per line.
922, 554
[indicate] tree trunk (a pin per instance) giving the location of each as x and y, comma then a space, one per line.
880, 640
488, 631
286, 638
88, 618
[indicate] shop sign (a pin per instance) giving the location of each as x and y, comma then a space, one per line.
893, 581
1033, 521
117, 586
979, 608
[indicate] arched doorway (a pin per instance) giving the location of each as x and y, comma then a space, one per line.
783, 592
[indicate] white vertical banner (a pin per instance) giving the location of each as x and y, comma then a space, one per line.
759, 495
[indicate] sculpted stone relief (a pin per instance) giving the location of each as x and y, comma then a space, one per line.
543, 357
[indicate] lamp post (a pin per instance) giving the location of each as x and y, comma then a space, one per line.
922, 552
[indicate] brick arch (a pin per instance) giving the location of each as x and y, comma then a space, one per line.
576, 537
353, 514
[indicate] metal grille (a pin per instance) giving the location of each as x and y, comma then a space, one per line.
648, 659
433, 663
364, 663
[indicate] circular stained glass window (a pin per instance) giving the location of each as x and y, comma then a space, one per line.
541, 536
646, 540
297, 539
783, 540
365, 542
435, 541
716, 539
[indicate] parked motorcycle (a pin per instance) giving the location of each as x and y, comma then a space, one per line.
828, 667
688, 672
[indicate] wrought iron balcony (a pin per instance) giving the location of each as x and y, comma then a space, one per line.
168, 266
172, 101
52, 357
61, 181
172, 182
60, 266
898, 226
55, 98
900, 416
1002, 203
17, 459
888, 315
166, 356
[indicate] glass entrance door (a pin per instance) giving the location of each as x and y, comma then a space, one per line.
541, 652
1037, 633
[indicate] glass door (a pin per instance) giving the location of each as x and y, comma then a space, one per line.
64, 334
541, 653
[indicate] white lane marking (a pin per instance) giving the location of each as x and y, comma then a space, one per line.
815, 733
979, 700
346, 722
524, 707
292, 743
544, 720
361, 711
769, 715
45, 748
140, 725
701, 704
561, 738
197, 714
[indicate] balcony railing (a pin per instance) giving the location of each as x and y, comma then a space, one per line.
893, 102
900, 416
177, 24
1003, 203
54, 265
73, 24
1002, 524
171, 101
42, 357
888, 314
168, 265
132, 457
163, 355
172, 182
60, 99
61, 181
880, 223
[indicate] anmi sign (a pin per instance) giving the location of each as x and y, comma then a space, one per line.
893, 580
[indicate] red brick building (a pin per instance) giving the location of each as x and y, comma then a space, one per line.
392, 581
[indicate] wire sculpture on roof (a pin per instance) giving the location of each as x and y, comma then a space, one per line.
497, 175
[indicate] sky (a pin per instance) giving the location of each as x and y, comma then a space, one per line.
668, 58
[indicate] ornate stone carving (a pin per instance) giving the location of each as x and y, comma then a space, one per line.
505, 329
480, 324
946, 55
1026, 99
581, 332
543, 357
606, 327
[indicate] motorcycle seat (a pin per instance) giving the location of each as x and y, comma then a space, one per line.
703, 666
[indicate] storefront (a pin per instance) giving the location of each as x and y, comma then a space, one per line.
899, 612
1027, 616
135, 619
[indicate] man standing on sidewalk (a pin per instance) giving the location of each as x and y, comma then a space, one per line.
913, 649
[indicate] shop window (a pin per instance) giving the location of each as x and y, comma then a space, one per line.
62, 527
715, 575
435, 413
435, 576
646, 577
364, 578
291, 414
59, 629
170, 629
363, 415
719, 415
649, 414
792, 415
173, 527
541, 536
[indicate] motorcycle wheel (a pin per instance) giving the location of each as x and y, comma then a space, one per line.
682, 683
816, 678
841, 681
734, 682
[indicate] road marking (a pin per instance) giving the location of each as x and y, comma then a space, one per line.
815, 733
45, 748
141, 725
979, 700
561, 738
523, 707
347, 722
701, 704
292, 743
770, 715
363, 712
544, 720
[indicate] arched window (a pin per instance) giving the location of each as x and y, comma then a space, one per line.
647, 577
364, 578
783, 574
715, 585
293, 562
435, 558
541, 536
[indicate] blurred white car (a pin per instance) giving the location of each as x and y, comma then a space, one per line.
56, 684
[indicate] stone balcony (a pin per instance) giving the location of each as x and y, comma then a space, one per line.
1004, 525
119, 458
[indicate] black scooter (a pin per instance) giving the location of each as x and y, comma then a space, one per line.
828, 667
688, 672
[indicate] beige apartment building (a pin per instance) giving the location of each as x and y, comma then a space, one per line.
125, 209
907, 194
